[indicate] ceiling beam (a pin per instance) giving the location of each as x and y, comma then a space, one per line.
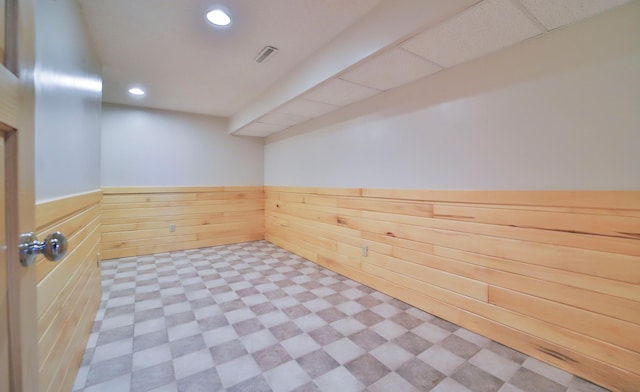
391, 22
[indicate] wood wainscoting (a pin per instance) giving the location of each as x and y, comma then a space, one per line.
69, 290
554, 274
137, 221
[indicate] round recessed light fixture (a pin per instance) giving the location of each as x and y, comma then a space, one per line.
136, 91
218, 17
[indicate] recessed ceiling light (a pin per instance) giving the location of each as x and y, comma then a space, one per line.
136, 91
218, 17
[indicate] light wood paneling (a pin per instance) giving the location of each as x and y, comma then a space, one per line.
5, 359
9, 98
555, 274
136, 221
69, 290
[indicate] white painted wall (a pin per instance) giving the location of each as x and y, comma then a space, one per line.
145, 147
557, 112
68, 94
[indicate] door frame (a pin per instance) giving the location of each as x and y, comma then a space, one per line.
20, 192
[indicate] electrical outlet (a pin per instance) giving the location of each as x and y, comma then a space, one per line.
365, 250
172, 227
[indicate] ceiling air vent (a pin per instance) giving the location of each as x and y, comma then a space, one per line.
265, 54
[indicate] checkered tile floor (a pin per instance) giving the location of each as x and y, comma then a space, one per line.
254, 317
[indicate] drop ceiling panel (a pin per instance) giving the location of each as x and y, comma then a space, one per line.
284, 119
340, 92
391, 69
553, 13
482, 29
186, 64
244, 132
303, 107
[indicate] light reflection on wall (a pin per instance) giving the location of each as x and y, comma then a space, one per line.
52, 79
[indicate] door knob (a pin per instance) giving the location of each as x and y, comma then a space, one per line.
53, 247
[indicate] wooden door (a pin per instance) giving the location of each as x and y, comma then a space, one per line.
4, 320
18, 333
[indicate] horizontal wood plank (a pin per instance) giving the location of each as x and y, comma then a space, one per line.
626, 246
145, 220
68, 291
172, 247
76, 228
593, 225
562, 337
49, 212
622, 267
555, 274
584, 199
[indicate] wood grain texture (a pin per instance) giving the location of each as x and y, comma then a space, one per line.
9, 98
54, 210
136, 221
69, 290
554, 274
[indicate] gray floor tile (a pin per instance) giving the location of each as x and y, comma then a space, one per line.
367, 339
213, 322
459, 346
119, 310
187, 345
441, 359
406, 320
285, 331
339, 379
412, 343
548, 371
392, 382
190, 364
152, 377
300, 345
287, 376
227, 351
238, 370
117, 383
115, 334
317, 363
477, 379
151, 356
368, 318
580, 385
246, 327
506, 352
109, 369
444, 324
254, 317
180, 318
367, 369
204, 381
450, 385
271, 357
308, 387
530, 381
326, 335
420, 375
150, 339
255, 384
148, 314
491, 362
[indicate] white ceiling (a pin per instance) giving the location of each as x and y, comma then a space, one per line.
187, 65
